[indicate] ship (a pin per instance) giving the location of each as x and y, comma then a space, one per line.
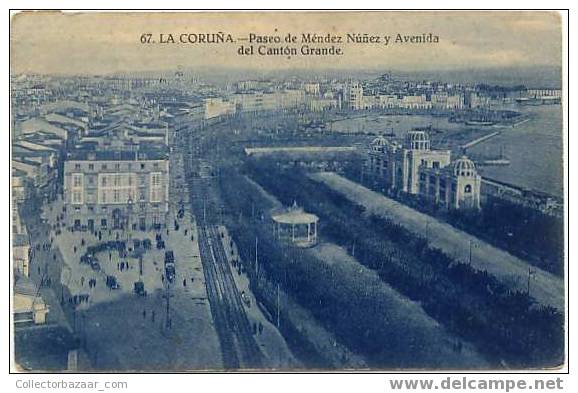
543, 100
479, 123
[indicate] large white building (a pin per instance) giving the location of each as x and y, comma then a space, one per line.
413, 167
216, 107
353, 96
117, 188
268, 101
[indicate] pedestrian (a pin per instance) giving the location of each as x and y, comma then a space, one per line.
186, 231
82, 281
144, 314
184, 282
153, 315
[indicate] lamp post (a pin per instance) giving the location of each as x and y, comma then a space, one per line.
472, 245
128, 215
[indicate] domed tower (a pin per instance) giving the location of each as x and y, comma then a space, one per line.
417, 140
379, 144
467, 184
464, 167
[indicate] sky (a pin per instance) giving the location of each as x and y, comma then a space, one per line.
103, 43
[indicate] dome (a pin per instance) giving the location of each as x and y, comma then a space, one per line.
417, 140
417, 136
379, 141
464, 167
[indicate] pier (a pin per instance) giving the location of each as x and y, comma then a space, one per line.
480, 140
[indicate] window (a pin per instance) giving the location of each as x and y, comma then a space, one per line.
117, 167
156, 187
104, 166
468, 189
142, 166
155, 195
77, 167
91, 166
155, 179
77, 197
436, 165
77, 180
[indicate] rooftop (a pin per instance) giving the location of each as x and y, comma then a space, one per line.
140, 152
294, 215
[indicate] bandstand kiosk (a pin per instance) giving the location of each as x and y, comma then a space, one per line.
296, 227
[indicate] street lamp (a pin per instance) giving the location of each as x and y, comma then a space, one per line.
128, 215
472, 245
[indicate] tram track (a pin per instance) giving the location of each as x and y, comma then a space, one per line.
238, 345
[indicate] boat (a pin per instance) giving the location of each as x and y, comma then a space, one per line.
496, 162
545, 100
484, 123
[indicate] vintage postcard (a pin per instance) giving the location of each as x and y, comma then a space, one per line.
287, 191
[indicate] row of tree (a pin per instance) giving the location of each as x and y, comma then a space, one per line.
505, 325
525, 232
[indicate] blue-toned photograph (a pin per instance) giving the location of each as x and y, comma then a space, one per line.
287, 191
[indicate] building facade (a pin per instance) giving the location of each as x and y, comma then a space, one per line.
456, 186
414, 168
116, 189
353, 96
